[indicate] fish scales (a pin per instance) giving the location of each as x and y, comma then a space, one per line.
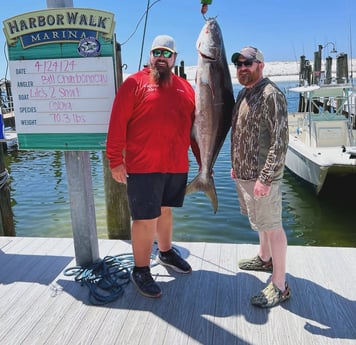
214, 101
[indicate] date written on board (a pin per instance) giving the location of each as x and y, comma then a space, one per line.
55, 66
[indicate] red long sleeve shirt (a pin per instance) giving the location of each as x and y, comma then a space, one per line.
150, 126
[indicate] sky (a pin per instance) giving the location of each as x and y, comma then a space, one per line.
283, 29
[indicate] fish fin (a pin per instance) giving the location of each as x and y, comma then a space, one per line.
198, 184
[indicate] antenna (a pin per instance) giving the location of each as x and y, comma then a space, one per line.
351, 57
144, 30
144, 34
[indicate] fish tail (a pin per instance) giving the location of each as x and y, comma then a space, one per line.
198, 184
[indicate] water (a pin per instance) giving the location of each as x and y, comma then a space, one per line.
40, 203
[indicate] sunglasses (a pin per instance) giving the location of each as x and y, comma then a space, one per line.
160, 52
246, 63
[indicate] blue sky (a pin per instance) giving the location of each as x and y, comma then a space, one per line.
282, 29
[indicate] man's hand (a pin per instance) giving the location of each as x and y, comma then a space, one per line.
261, 190
119, 174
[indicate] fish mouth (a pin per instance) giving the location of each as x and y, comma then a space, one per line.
204, 56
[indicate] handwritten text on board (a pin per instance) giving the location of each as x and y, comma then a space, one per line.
71, 95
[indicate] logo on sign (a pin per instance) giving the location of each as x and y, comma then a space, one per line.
89, 46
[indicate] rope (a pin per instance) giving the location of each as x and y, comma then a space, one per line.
4, 176
105, 279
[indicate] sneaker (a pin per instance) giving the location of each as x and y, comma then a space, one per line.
270, 296
145, 284
173, 260
256, 264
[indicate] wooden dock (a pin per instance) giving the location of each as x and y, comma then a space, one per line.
41, 305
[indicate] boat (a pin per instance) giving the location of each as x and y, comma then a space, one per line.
322, 131
10, 139
321, 134
8, 135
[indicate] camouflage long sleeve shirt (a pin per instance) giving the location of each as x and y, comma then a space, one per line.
259, 134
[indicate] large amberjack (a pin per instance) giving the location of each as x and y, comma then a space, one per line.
214, 103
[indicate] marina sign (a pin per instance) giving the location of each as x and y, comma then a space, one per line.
62, 68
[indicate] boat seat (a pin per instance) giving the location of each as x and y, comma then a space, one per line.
330, 133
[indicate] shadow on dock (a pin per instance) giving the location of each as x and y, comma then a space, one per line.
196, 301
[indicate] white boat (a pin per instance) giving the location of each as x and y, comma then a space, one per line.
321, 138
10, 139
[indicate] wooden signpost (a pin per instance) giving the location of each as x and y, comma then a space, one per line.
62, 67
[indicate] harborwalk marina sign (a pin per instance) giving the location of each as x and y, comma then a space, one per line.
62, 70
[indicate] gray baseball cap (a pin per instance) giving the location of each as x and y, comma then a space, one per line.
249, 53
164, 42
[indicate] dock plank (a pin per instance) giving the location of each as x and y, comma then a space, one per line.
71, 330
180, 313
40, 305
33, 277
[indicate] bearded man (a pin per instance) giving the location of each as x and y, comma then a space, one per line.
259, 143
147, 146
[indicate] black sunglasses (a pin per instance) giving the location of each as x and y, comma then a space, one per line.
246, 63
159, 52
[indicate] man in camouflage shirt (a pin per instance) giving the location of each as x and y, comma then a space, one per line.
259, 141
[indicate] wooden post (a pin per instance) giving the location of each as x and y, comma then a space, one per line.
7, 227
317, 65
81, 197
181, 70
342, 69
304, 77
328, 70
82, 207
302, 70
117, 210
59, 3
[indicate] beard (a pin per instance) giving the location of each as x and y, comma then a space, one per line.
161, 75
249, 77
245, 79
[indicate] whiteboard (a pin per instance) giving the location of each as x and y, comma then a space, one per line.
71, 95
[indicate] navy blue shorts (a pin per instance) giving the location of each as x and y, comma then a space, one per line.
147, 193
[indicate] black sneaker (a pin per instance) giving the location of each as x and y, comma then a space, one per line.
175, 261
145, 284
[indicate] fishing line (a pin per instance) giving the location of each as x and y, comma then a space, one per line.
138, 23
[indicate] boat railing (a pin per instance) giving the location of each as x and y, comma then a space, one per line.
328, 116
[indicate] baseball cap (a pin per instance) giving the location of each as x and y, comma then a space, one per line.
164, 42
249, 53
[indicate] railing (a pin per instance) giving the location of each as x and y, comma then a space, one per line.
6, 103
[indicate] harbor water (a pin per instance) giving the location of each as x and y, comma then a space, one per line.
38, 187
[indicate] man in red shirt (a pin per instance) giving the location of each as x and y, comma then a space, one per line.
147, 147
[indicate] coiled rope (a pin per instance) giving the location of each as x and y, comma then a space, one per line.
4, 176
105, 279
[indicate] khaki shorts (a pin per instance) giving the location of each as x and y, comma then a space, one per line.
264, 213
